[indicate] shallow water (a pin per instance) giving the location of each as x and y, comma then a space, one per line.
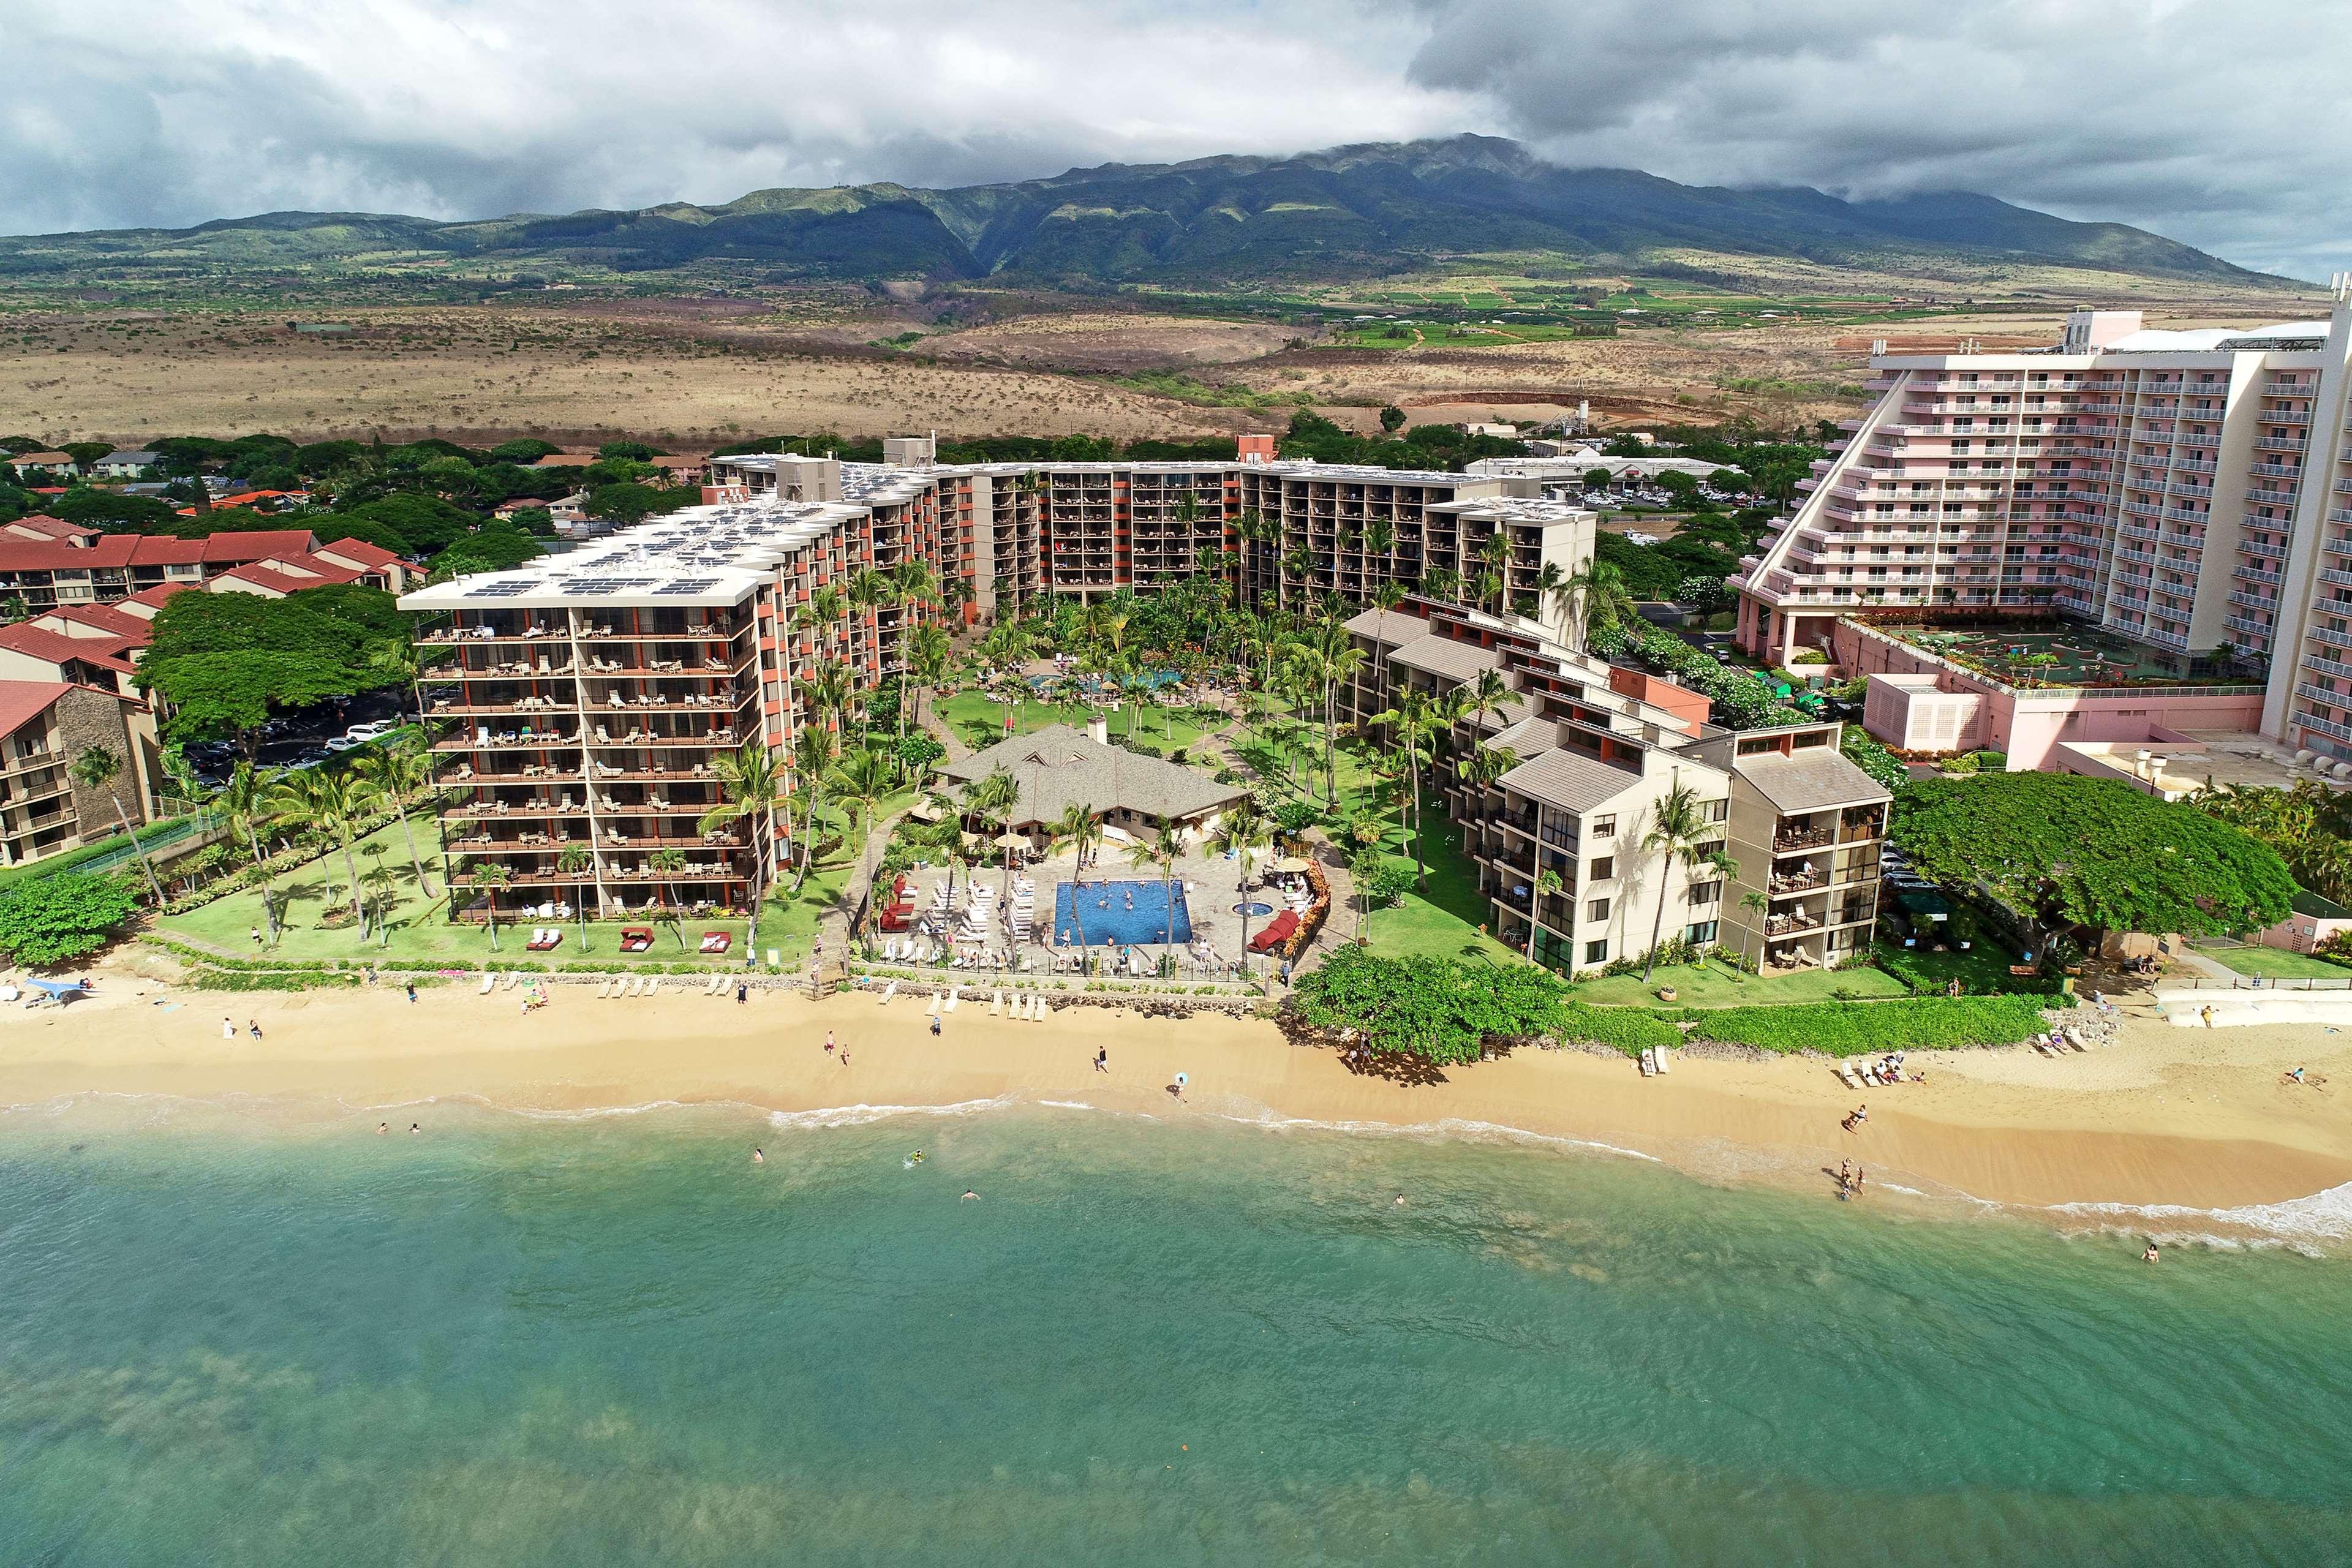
245, 1336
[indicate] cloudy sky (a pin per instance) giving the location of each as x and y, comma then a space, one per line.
2222, 123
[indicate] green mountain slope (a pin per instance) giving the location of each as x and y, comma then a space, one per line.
1349, 211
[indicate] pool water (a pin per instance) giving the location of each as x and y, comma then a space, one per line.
1254, 911
1101, 911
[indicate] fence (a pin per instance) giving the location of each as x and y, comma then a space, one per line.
2283, 982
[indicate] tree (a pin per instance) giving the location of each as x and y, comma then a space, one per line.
1679, 830
573, 860
1547, 883
1078, 830
1241, 833
1392, 419
1414, 721
1755, 903
991, 799
751, 786
247, 801
2071, 853
332, 800
399, 773
53, 919
861, 779
489, 876
1592, 597
85, 454
97, 769
225, 661
668, 866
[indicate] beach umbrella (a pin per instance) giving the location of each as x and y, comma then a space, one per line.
1009, 839
1290, 865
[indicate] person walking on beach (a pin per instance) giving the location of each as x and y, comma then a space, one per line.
411, 988
1102, 1059
828, 1042
228, 1030
843, 1057
935, 1023
1845, 1171
1860, 1178
742, 993
252, 1028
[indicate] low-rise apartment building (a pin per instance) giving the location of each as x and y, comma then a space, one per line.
45, 725
1584, 752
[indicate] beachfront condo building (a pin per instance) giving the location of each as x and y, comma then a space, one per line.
2189, 492
591, 695
1581, 753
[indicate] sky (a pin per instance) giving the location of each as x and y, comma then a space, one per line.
2222, 124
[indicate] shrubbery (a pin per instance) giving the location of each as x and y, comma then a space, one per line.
1871, 1028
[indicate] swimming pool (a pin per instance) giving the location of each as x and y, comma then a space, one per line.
1102, 913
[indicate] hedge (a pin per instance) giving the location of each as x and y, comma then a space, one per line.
1870, 1028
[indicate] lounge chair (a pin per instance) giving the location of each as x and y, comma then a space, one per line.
653, 984
955, 994
514, 978
888, 991
995, 1004
489, 979
717, 941
931, 1008
605, 990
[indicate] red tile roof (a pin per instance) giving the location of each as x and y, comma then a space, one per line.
153, 597
358, 553
105, 618
54, 528
22, 702
259, 544
313, 573
55, 648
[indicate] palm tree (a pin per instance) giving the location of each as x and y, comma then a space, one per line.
1495, 550
1489, 691
245, 803
751, 786
571, 861
1546, 884
1336, 659
1380, 539
1414, 721
1755, 903
1158, 856
1678, 831
927, 657
666, 865
397, 773
1387, 597
1241, 833
1593, 593
490, 875
332, 800
861, 779
1364, 865
1077, 830
991, 799
383, 894
825, 610
830, 690
97, 769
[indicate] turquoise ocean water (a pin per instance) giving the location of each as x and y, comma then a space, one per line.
235, 1336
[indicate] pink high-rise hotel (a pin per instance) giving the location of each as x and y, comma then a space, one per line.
2188, 493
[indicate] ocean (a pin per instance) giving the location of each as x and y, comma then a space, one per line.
259, 1334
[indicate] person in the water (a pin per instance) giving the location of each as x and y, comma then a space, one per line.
759, 1158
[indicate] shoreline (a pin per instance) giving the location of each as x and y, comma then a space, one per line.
2166, 1124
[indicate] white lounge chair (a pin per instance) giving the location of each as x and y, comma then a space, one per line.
653, 986
888, 991
489, 979
995, 1004
932, 1007
605, 990
955, 994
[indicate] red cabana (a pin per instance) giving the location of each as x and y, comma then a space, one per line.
1278, 932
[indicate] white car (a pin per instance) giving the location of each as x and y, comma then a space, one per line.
369, 731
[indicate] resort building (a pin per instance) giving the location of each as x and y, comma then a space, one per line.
46, 563
2177, 504
45, 725
1584, 754
594, 692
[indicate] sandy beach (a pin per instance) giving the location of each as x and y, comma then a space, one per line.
2190, 1117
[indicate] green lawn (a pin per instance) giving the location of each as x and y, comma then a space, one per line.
2276, 963
422, 934
981, 721
1717, 984
1445, 920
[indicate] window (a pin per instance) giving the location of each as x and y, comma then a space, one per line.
1701, 932
1596, 952
1604, 827
1604, 868
1597, 910
1706, 892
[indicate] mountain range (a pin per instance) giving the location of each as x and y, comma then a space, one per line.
1347, 212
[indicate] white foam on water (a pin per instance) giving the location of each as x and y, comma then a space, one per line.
1444, 1127
1066, 1104
2322, 1218
860, 1115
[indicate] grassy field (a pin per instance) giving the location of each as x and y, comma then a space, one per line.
2276, 963
1716, 984
979, 720
421, 934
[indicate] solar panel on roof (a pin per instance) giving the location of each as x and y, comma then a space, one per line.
499, 590
688, 585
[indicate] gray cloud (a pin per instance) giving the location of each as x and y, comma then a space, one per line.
2221, 122
2218, 123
